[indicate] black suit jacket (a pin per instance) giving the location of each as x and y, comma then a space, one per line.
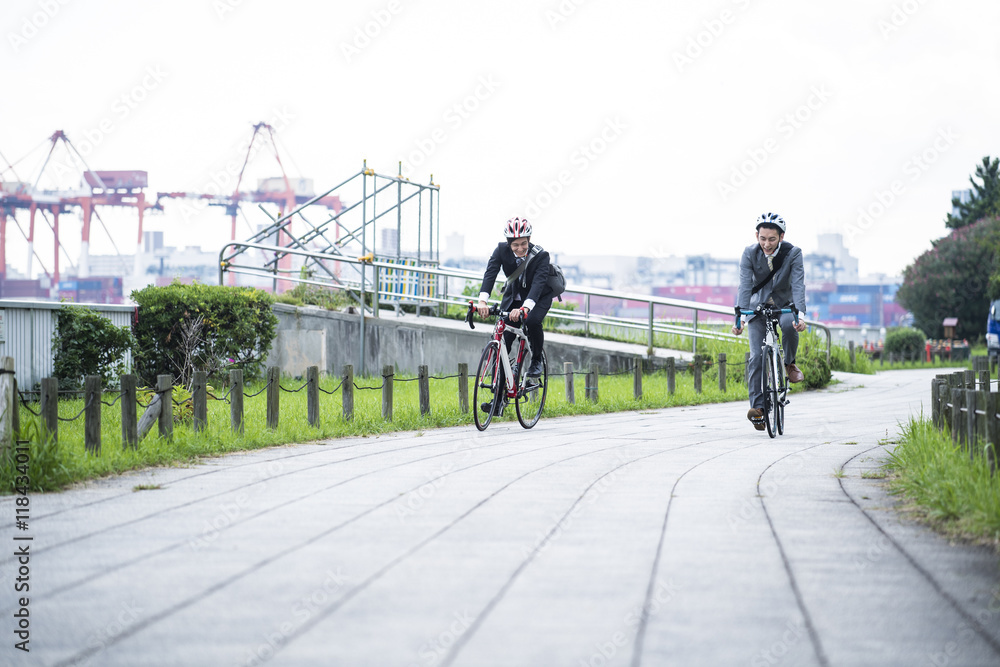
532, 283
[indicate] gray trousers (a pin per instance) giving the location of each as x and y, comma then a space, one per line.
789, 344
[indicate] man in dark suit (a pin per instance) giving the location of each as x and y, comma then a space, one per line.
785, 288
528, 297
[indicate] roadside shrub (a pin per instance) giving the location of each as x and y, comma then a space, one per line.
905, 339
87, 343
184, 328
811, 360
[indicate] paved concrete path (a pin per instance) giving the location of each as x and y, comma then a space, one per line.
668, 537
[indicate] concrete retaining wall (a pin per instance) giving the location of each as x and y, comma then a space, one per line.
309, 336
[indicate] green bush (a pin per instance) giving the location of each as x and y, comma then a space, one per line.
905, 339
87, 343
183, 328
811, 360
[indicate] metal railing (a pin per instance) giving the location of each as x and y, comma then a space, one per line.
381, 289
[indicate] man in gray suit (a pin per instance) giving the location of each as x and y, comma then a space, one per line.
771, 272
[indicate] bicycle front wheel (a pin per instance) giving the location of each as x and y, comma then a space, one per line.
779, 395
769, 387
487, 387
530, 398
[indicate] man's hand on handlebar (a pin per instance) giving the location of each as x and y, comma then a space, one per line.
517, 314
483, 309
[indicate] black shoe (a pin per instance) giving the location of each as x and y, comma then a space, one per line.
486, 408
535, 370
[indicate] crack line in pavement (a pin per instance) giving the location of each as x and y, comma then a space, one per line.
132, 630
813, 635
171, 547
640, 632
938, 588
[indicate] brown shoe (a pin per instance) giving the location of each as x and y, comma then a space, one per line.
756, 418
793, 373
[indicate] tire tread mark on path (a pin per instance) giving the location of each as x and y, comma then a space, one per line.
183, 604
464, 638
938, 588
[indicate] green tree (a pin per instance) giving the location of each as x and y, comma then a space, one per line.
985, 200
87, 343
952, 280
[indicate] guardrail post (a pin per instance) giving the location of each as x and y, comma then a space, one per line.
92, 413
722, 372
9, 403
387, 380
637, 378
165, 420
697, 373
650, 325
671, 376
694, 334
568, 375
463, 387
347, 391
592, 383
130, 423
199, 400
236, 400
273, 396
586, 319
423, 390
312, 395
50, 408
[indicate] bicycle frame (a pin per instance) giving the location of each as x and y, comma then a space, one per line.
523, 345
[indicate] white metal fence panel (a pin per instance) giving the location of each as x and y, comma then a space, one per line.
27, 328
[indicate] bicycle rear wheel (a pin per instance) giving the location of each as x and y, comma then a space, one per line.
769, 388
530, 399
487, 387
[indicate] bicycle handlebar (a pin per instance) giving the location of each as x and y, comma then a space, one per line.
765, 310
494, 311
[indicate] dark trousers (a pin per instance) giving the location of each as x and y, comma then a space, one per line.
532, 325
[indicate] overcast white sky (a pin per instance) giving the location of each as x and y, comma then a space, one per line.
672, 125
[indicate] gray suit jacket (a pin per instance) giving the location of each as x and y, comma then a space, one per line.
787, 287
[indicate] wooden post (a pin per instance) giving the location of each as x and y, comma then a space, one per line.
957, 423
970, 420
935, 402
16, 413
697, 373
984, 380
273, 396
92, 414
463, 387
165, 421
592, 383
312, 395
199, 401
236, 400
992, 431
50, 408
424, 390
852, 353
671, 376
8, 404
347, 391
387, 380
637, 378
970, 379
982, 415
568, 374
722, 372
130, 423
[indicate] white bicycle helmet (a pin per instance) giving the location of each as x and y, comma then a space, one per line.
771, 219
517, 228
